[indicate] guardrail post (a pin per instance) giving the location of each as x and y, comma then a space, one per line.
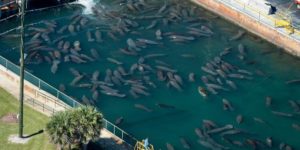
39, 84
57, 96
114, 129
6, 64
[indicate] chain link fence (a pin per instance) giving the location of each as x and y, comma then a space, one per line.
59, 99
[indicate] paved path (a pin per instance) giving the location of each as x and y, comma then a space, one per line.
257, 10
108, 140
288, 7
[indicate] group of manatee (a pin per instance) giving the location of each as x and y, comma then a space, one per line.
50, 43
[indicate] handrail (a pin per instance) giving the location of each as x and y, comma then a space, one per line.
32, 10
6, 4
34, 103
262, 17
9, 66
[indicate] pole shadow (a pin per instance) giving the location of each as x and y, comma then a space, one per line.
33, 134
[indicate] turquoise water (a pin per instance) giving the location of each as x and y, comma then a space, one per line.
167, 125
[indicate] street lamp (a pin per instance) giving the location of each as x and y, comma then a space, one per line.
21, 98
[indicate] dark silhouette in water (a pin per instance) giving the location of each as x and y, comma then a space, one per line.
34, 4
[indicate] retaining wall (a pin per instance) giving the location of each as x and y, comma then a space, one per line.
251, 24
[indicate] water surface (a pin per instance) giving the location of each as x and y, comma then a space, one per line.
168, 125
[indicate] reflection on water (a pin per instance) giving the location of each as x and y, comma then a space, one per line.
88, 4
145, 60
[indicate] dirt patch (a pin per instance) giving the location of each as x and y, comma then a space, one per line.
17, 140
9, 118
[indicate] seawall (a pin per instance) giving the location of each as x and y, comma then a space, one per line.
253, 24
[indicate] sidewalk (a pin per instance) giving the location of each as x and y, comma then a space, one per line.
257, 10
42, 103
288, 7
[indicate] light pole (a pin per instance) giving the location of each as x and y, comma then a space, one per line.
21, 98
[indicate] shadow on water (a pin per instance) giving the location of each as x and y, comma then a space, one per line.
156, 118
107, 144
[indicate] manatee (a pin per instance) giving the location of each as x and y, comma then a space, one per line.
239, 119
169, 146
95, 95
221, 129
209, 124
71, 29
174, 84
89, 36
208, 145
151, 25
158, 34
268, 101
161, 105
76, 45
132, 45
112, 60
231, 84
191, 77
119, 120
98, 36
178, 79
237, 36
227, 105
95, 54
185, 144
54, 66
142, 107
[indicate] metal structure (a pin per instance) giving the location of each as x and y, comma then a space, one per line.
141, 146
8, 10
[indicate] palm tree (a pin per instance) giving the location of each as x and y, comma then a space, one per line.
75, 128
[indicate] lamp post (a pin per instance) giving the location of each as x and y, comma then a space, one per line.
21, 98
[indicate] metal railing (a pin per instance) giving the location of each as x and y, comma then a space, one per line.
8, 3
39, 105
60, 99
262, 17
29, 10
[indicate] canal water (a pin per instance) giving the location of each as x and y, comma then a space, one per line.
270, 65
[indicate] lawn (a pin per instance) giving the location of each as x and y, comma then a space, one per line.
33, 122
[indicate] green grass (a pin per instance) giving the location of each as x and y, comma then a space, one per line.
33, 122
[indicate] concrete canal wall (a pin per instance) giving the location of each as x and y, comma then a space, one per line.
255, 23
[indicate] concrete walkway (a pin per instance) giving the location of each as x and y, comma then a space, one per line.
288, 7
10, 83
259, 10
